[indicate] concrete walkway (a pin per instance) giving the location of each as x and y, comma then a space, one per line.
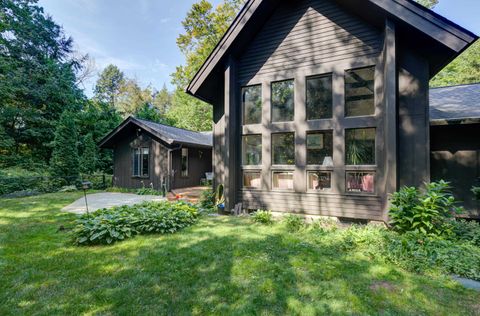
105, 200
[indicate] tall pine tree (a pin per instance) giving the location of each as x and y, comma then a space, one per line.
88, 160
65, 163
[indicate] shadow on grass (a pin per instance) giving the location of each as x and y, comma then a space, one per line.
220, 266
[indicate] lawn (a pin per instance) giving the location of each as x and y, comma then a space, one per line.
222, 265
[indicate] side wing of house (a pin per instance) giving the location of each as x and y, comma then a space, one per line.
140, 161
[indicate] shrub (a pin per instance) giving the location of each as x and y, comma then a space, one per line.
68, 188
468, 231
293, 222
324, 225
148, 191
424, 212
207, 200
262, 217
107, 226
476, 192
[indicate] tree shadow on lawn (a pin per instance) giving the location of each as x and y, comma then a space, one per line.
229, 269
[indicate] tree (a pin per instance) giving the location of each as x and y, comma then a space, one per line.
64, 163
150, 113
132, 97
428, 3
189, 113
37, 79
162, 100
88, 160
204, 26
109, 84
464, 69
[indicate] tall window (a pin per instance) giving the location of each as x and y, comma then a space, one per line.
283, 149
359, 92
360, 146
319, 148
319, 97
140, 162
252, 104
184, 162
252, 150
283, 109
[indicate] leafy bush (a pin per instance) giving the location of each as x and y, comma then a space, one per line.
412, 251
68, 188
148, 191
106, 226
324, 225
207, 200
476, 192
468, 231
425, 212
293, 222
262, 217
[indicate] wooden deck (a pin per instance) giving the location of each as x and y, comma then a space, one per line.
191, 195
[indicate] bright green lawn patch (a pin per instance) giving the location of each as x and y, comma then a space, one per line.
222, 265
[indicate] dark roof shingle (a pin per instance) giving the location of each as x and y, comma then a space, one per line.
180, 135
455, 102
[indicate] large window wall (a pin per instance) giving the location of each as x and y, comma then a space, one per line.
313, 133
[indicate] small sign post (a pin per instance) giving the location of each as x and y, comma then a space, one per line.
85, 186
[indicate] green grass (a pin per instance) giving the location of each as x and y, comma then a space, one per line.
222, 265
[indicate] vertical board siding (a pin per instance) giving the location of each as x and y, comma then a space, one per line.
159, 169
199, 162
455, 157
307, 33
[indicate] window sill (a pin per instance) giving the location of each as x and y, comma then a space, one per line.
360, 167
283, 168
252, 167
140, 177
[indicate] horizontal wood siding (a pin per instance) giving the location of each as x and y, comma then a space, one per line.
314, 204
307, 33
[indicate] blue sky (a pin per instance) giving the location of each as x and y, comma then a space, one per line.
139, 35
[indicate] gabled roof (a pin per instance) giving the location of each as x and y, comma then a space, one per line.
168, 134
440, 39
455, 104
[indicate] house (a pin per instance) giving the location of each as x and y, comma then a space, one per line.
151, 154
455, 141
321, 106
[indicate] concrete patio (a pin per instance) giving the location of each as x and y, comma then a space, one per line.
105, 200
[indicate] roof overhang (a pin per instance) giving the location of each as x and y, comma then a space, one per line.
434, 36
131, 124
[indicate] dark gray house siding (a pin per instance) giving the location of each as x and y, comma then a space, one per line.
165, 144
455, 141
455, 157
272, 41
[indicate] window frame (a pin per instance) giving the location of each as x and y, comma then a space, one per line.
271, 100
184, 173
273, 152
243, 150
242, 102
288, 171
251, 171
374, 67
312, 77
329, 171
324, 131
138, 173
366, 171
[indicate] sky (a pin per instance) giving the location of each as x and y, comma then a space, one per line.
139, 36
